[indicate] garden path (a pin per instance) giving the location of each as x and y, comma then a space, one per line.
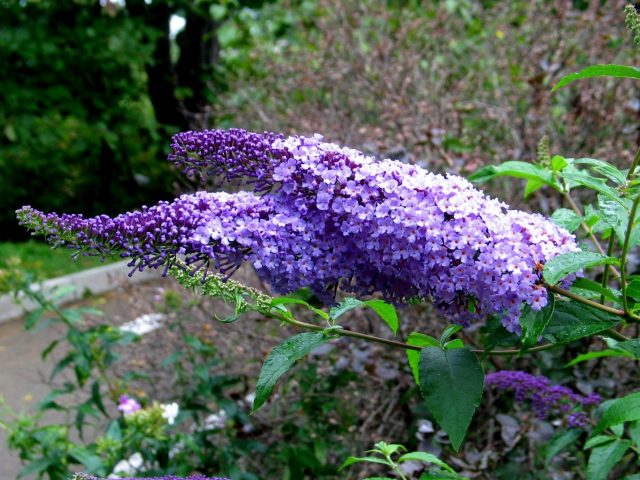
23, 374
22, 379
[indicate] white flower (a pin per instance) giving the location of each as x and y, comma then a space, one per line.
123, 466
170, 412
144, 324
215, 421
249, 398
128, 467
136, 461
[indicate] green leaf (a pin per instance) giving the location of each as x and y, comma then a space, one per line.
386, 311
516, 169
387, 449
90, 460
289, 300
593, 219
36, 467
634, 432
451, 382
230, 318
61, 365
280, 360
580, 178
457, 343
598, 440
559, 442
346, 305
114, 432
533, 322
611, 70
618, 430
419, 340
352, 460
632, 346
426, 458
450, 330
567, 219
96, 397
604, 458
169, 360
571, 321
558, 162
581, 285
33, 318
559, 267
603, 168
615, 215
599, 354
62, 291
47, 351
620, 410
532, 186
633, 289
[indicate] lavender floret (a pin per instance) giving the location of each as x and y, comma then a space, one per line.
545, 398
328, 217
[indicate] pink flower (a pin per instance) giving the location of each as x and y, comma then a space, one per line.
128, 405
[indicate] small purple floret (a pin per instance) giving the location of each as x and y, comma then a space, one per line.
545, 398
328, 217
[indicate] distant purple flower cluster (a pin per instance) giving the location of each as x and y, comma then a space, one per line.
545, 398
330, 217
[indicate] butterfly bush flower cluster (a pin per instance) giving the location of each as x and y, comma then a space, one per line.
545, 398
327, 217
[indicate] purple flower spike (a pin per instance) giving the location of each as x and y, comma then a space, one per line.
232, 154
545, 398
327, 217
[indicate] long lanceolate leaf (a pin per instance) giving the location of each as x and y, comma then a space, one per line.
516, 169
612, 70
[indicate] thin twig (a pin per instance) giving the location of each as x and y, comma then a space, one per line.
623, 259
588, 230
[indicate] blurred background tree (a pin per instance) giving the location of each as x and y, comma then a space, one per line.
92, 91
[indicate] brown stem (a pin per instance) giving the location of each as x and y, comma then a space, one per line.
341, 332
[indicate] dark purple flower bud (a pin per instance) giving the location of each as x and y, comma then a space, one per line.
231, 154
546, 399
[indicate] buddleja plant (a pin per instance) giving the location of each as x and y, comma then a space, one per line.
331, 219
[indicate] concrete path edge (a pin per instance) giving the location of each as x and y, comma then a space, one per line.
92, 281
